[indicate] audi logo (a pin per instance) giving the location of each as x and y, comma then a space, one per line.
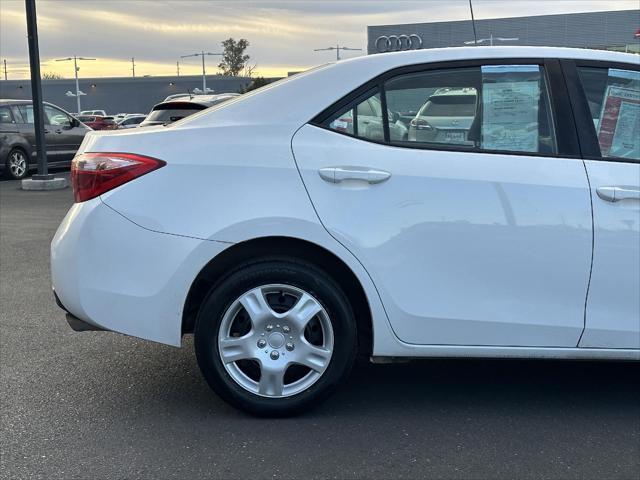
396, 43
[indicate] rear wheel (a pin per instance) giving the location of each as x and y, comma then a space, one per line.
17, 164
275, 337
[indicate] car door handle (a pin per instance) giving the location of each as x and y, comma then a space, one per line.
58, 131
341, 174
615, 194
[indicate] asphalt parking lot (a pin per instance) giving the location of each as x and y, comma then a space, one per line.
102, 405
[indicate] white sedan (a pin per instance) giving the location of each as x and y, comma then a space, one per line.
289, 251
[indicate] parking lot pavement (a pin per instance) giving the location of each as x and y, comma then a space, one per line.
101, 405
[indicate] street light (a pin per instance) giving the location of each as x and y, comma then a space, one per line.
204, 73
78, 93
337, 48
491, 40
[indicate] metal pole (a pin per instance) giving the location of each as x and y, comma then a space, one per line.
36, 89
337, 52
75, 67
473, 22
5, 68
204, 76
178, 67
133, 66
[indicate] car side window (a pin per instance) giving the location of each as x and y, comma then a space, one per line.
56, 117
26, 112
497, 108
436, 107
5, 115
361, 118
614, 101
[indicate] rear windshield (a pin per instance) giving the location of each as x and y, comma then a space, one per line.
167, 114
450, 106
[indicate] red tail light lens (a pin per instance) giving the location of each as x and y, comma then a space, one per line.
93, 174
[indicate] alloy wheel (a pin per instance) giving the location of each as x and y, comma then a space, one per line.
275, 340
17, 164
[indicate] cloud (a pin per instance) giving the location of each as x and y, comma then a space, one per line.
283, 34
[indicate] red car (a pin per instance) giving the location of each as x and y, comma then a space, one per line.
98, 122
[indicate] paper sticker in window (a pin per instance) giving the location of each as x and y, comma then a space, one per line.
510, 99
619, 125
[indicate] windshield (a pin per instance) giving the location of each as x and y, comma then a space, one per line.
171, 115
450, 106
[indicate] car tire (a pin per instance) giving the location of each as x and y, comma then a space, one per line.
17, 164
284, 341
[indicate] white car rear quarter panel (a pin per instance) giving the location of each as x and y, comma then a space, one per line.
114, 274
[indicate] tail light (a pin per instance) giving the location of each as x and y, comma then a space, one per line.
420, 124
93, 174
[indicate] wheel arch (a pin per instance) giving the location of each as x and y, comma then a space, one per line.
225, 262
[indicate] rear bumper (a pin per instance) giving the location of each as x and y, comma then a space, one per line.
74, 322
111, 274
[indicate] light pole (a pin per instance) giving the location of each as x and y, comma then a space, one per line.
133, 66
337, 48
75, 69
36, 89
204, 73
491, 40
5, 68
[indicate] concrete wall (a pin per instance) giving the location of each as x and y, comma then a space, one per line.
115, 95
582, 30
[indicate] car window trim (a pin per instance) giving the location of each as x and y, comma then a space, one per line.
567, 144
587, 135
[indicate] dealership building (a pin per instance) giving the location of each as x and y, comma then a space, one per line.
611, 30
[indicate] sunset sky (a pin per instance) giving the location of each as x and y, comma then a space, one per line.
282, 34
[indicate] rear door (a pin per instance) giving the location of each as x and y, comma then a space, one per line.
480, 242
606, 100
25, 123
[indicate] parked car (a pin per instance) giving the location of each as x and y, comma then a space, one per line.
97, 122
63, 136
181, 107
100, 113
446, 117
288, 245
131, 121
118, 117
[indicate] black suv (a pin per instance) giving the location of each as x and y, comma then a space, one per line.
63, 136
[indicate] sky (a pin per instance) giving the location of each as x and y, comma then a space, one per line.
282, 34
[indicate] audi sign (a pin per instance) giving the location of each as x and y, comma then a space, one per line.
396, 43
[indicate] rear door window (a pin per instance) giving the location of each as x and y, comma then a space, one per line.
26, 112
614, 102
502, 108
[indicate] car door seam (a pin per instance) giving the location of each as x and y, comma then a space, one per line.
295, 161
593, 239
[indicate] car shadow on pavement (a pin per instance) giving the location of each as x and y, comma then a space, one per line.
467, 385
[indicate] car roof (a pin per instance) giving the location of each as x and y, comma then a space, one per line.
5, 101
296, 100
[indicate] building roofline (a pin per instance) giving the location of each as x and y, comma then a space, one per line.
520, 17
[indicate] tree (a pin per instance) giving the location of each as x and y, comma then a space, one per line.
255, 83
51, 76
233, 58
